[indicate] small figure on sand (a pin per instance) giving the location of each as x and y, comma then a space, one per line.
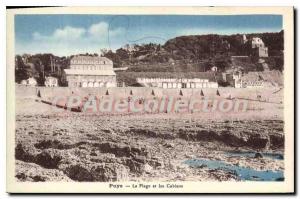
39, 94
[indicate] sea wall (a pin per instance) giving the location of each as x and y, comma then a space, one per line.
262, 94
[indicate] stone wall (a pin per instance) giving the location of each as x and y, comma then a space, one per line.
268, 94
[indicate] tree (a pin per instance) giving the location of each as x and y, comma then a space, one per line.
122, 53
21, 70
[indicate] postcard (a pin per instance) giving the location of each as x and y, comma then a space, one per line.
150, 100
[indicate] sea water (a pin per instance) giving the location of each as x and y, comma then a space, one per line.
243, 173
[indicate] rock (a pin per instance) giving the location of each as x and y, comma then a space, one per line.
231, 139
276, 141
169, 145
200, 166
156, 162
207, 135
189, 156
120, 149
134, 166
93, 154
48, 159
56, 144
78, 173
96, 172
172, 166
147, 168
280, 157
25, 153
257, 141
234, 139
30, 172
258, 155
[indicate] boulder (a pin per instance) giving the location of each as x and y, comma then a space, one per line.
96, 172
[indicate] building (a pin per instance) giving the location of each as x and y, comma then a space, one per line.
244, 39
168, 80
29, 82
257, 42
234, 79
214, 69
251, 80
258, 47
51, 82
24, 82
121, 69
256, 79
87, 71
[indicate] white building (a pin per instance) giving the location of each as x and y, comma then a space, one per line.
179, 82
87, 71
24, 82
233, 78
51, 82
121, 69
29, 82
257, 42
258, 79
244, 39
259, 47
214, 69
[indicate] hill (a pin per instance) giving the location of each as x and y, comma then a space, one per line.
184, 54
196, 53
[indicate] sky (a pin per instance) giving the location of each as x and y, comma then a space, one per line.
64, 35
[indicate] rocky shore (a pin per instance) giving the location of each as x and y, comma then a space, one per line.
82, 147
